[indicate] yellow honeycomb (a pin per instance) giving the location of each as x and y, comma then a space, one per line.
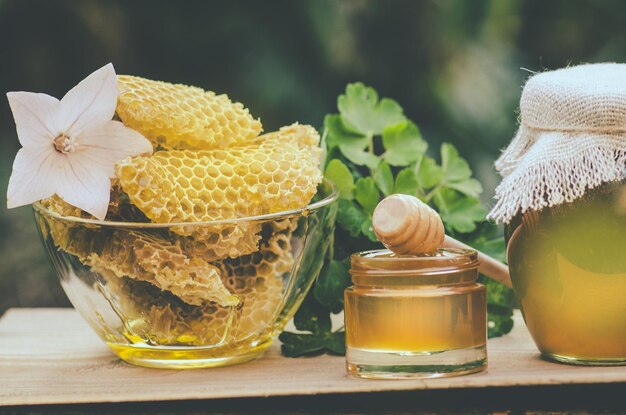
60, 206
278, 171
150, 258
176, 116
257, 278
144, 257
221, 241
157, 316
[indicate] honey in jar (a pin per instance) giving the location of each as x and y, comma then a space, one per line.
568, 268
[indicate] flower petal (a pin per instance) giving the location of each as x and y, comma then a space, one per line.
91, 102
34, 175
107, 144
84, 185
35, 117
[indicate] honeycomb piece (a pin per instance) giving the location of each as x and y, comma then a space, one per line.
257, 278
300, 134
158, 317
277, 174
222, 241
152, 259
57, 205
279, 171
143, 257
176, 116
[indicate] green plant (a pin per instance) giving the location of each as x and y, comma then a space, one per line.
372, 151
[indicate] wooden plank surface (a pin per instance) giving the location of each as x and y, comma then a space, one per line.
51, 356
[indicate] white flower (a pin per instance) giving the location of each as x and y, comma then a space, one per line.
70, 146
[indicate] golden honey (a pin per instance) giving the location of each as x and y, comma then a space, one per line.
568, 267
415, 316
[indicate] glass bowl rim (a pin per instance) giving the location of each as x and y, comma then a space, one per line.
332, 197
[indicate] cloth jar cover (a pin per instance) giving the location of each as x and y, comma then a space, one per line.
572, 137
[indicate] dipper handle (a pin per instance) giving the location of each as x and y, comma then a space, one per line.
406, 225
489, 266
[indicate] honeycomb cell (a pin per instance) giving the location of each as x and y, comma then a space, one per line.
175, 116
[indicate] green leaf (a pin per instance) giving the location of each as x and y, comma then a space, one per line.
384, 178
459, 213
429, 173
330, 140
337, 133
470, 187
331, 154
368, 230
363, 113
312, 316
403, 144
493, 247
333, 280
351, 144
350, 217
367, 194
499, 320
454, 167
299, 344
355, 153
406, 182
464, 214
457, 173
336, 343
340, 175
497, 293
487, 239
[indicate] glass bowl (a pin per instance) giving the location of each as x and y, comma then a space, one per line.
190, 295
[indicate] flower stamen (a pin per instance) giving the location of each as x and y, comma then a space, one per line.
65, 144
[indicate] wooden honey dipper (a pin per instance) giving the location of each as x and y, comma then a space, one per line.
406, 225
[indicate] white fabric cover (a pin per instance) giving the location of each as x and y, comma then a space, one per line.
572, 137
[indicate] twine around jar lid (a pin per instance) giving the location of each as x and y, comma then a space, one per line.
571, 138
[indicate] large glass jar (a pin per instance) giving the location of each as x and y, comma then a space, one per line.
568, 267
415, 316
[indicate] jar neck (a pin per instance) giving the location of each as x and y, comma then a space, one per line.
444, 278
445, 267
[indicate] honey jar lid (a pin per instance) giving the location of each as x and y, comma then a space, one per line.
571, 138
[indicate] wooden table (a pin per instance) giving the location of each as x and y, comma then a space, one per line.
51, 357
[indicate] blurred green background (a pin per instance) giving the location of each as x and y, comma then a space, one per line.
454, 65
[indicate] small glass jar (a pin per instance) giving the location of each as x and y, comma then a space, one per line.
568, 268
415, 316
